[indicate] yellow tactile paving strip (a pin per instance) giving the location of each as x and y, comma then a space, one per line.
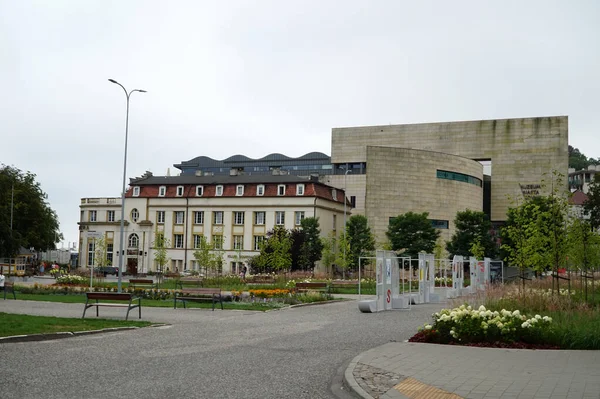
417, 390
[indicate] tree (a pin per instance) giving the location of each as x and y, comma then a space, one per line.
311, 246
342, 259
471, 227
584, 250
592, 205
203, 255
160, 246
100, 258
328, 253
297, 237
279, 258
360, 239
34, 223
412, 233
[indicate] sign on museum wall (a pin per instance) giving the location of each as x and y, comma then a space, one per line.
530, 190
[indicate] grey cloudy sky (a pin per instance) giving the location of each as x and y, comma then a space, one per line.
256, 77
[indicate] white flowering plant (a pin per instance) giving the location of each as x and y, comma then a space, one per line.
465, 324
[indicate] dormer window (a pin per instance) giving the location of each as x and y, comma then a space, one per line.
136, 191
162, 191
281, 189
219, 191
260, 190
199, 191
299, 189
180, 191
334, 194
239, 190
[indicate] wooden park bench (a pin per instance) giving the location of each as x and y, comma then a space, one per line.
197, 294
258, 280
189, 282
316, 286
336, 285
9, 287
112, 296
141, 283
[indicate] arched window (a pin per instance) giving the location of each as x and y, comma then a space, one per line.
134, 241
135, 214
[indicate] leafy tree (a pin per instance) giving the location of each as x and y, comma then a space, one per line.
343, 261
592, 204
471, 227
311, 246
584, 250
34, 223
203, 254
360, 239
477, 250
275, 253
412, 233
297, 237
577, 160
160, 246
100, 258
328, 253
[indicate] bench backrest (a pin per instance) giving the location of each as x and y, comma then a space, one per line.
201, 291
110, 296
347, 282
311, 285
141, 281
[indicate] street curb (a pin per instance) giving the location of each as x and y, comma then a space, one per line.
350, 381
66, 334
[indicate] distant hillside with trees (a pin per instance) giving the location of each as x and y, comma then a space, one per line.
579, 161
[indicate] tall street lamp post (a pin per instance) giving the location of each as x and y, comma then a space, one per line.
122, 250
345, 235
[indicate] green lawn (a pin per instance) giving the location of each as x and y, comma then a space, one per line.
19, 324
149, 302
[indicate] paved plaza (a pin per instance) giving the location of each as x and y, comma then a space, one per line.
321, 351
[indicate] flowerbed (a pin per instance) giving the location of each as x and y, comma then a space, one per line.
465, 325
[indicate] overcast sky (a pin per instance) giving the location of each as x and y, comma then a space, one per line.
257, 77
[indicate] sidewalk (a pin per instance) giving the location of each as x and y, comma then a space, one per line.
427, 371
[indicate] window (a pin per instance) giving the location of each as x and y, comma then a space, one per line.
160, 217
218, 217
162, 191
219, 191
353, 201
135, 215
259, 218
198, 217
238, 217
178, 239
334, 221
281, 189
260, 190
110, 216
298, 217
299, 189
90, 254
444, 174
180, 191
239, 190
238, 242
93, 216
280, 218
334, 194
179, 216
109, 252
136, 191
197, 240
81, 216
134, 241
217, 242
199, 191
258, 242
439, 224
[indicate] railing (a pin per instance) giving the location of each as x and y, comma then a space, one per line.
100, 201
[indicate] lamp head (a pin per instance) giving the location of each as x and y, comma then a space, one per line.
142, 91
113, 81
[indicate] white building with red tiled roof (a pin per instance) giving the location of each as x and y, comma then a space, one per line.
233, 212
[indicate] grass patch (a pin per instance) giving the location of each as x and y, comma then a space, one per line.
19, 324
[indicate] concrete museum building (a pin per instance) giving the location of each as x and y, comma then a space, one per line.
381, 171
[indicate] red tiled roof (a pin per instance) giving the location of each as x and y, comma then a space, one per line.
578, 198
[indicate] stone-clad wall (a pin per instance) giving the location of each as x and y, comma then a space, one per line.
400, 180
521, 150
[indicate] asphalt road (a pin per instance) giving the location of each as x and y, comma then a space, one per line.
292, 353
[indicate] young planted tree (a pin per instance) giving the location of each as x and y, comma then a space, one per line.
360, 239
584, 251
100, 254
329, 253
592, 204
471, 227
203, 254
342, 259
160, 246
278, 258
412, 233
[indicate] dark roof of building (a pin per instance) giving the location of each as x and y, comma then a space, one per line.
242, 160
578, 198
217, 179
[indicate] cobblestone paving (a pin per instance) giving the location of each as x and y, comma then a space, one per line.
375, 381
